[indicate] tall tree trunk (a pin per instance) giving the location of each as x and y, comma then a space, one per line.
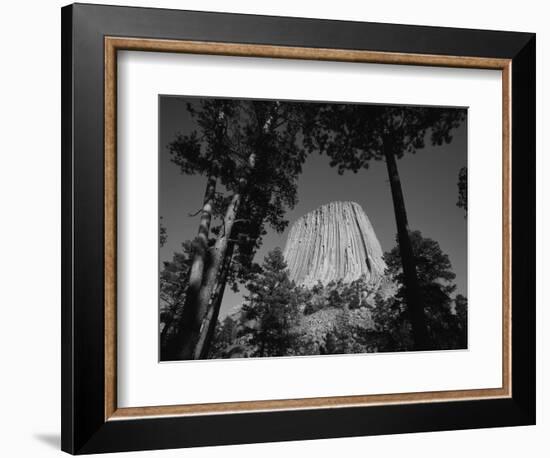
212, 278
209, 323
175, 334
412, 291
197, 268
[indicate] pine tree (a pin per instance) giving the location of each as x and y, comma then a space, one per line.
354, 135
272, 306
250, 155
173, 287
435, 279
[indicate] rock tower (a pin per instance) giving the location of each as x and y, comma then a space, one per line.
334, 242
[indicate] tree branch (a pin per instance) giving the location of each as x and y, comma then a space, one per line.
194, 214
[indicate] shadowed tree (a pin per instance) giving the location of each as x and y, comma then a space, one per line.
463, 190
435, 279
163, 235
204, 152
262, 198
272, 306
224, 338
251, 154
461, 309
173, 286
354, 135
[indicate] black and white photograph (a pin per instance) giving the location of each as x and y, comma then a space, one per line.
275, 229
303, 228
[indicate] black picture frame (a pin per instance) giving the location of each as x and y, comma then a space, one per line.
84, 428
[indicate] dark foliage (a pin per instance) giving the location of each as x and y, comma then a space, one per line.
230, 131
463, 189
352, 135
173, 283
254, 151
163, 235
446, 326
250, 151
271, 308
281, 319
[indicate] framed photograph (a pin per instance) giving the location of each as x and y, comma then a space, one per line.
282, 229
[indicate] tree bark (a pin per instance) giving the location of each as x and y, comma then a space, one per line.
412, 291
209, 323
175, 335
197, 268
212, 278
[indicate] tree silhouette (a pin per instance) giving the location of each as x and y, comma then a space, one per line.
354, 135
249, 150
461, 309
224, 338
272, 307
279, 318
163, 235
173, 287
463, 189
205, 154
435, 280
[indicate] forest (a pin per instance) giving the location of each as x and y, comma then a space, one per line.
251, 154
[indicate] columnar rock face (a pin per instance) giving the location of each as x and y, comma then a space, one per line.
335, 242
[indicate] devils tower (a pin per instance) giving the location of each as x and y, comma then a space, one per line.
335, 242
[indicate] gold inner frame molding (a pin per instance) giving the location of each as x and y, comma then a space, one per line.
114, 44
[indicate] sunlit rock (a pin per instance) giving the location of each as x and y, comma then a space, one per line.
335, 242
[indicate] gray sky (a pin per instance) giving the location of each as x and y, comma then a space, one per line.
429, 180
